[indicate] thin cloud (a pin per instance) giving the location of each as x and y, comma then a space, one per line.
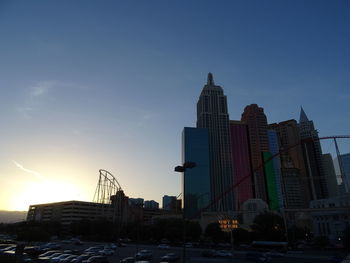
41, 88
20, 166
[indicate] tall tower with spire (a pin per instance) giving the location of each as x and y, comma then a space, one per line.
212, 114
312, 152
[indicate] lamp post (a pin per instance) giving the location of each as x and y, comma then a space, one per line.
182, 169
227, 225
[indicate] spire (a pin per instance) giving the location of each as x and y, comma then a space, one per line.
210, 81
303, 117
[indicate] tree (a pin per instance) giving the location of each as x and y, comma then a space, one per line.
37, 231
269, 226
193, 230
214, 232
241, 235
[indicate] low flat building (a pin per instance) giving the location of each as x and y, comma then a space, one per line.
69, 211
331, 216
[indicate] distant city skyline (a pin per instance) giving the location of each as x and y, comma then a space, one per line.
87, 85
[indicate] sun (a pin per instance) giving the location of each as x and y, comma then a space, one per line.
45, 191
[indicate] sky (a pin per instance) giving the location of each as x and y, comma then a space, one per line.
88, 85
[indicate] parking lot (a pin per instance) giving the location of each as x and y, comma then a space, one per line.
193, 255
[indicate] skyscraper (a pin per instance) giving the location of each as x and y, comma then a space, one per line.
313, 157
212, 114
256, 121
169, 202
242, 167
273, 172
295, 183
331, 178
196, 181
343, 173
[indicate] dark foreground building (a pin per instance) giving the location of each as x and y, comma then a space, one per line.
196, 181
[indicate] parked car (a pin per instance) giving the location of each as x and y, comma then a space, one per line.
144, 255
163, 246
170, 257
107, 252
111, 246
223, 254
127, 260
6, 247
48, 253
59, 258
257, 257
47, 258
81, 258
97, 259
94, 249
274, 253
52, 245
68, 259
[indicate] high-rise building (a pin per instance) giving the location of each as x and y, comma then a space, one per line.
196, 181
331, 178
136, 202
272, 169
313, 157
242, 167
212, 114
295, 185
169, 202
343, 175
151, 204
256, 121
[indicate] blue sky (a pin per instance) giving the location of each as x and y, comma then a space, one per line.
109, 84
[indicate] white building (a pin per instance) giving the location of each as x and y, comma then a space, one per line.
330, 216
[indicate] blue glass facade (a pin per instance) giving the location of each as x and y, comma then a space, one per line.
195, 181
276, 162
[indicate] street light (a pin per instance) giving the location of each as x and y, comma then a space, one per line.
182, 169
185, 166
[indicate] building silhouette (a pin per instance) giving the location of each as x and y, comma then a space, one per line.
342, 169
242, 167
295, 182
212, 114
313, 157
169, 202
272, 170
196, 181
256, 121
331, 178
151, 204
